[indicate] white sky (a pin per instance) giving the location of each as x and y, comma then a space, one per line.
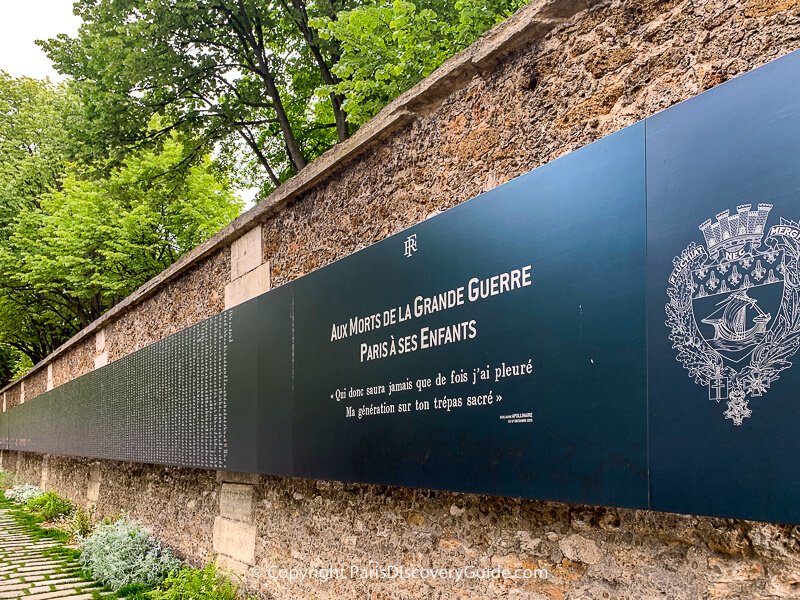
22, 22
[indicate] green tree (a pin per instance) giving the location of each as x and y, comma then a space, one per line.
387, 48
268, 84
33, 142
76, 239
217, 69
32, 325
33, 149
13, 363
90, 243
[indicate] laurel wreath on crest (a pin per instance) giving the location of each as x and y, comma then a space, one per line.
769, 358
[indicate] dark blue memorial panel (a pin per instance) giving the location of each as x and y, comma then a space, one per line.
497, 348
723, 213
165, 404
4, 419
260, 385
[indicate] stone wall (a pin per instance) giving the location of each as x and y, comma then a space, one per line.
558, 75
587, 552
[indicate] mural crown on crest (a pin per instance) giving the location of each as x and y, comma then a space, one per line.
729, 233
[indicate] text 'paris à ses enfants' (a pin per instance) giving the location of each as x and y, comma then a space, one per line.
476, 289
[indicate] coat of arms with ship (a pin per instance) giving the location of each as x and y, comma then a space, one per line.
733, 307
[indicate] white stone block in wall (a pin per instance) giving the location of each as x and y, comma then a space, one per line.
246, 253
101, 360
50, 377
45, 474
236, 502
226, 563
100, 342
234, 477
247, 286
235, 539
100, 349
93, 492
93, 485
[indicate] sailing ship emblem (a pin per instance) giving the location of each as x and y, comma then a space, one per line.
734, 306
730, 323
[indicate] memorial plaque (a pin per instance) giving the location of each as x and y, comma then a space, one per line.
165, 404
260, 387
617, 327
497, 348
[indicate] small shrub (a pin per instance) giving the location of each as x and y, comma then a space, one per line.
136, 591
49, 506
80, 524
122, 554
198, 584
75, 524
23, 493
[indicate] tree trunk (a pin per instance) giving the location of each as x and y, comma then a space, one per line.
253, 45
341, 117
301, 20
251, 141
292, 145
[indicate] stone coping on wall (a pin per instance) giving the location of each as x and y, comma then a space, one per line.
527, 25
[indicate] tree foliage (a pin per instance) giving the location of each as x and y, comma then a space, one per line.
387, 48
13, 364
270, 84
102, 238
213, 68
33, 142
33, 149
75, 242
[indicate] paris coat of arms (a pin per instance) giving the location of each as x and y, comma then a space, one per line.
734, 306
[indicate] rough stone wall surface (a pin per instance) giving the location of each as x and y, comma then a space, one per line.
27, 466
69, 475
588, 552
585, 552
12, 396
603, 69
35, 385
197, 295
178, 504
78, 361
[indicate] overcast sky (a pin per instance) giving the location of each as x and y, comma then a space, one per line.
22, 22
